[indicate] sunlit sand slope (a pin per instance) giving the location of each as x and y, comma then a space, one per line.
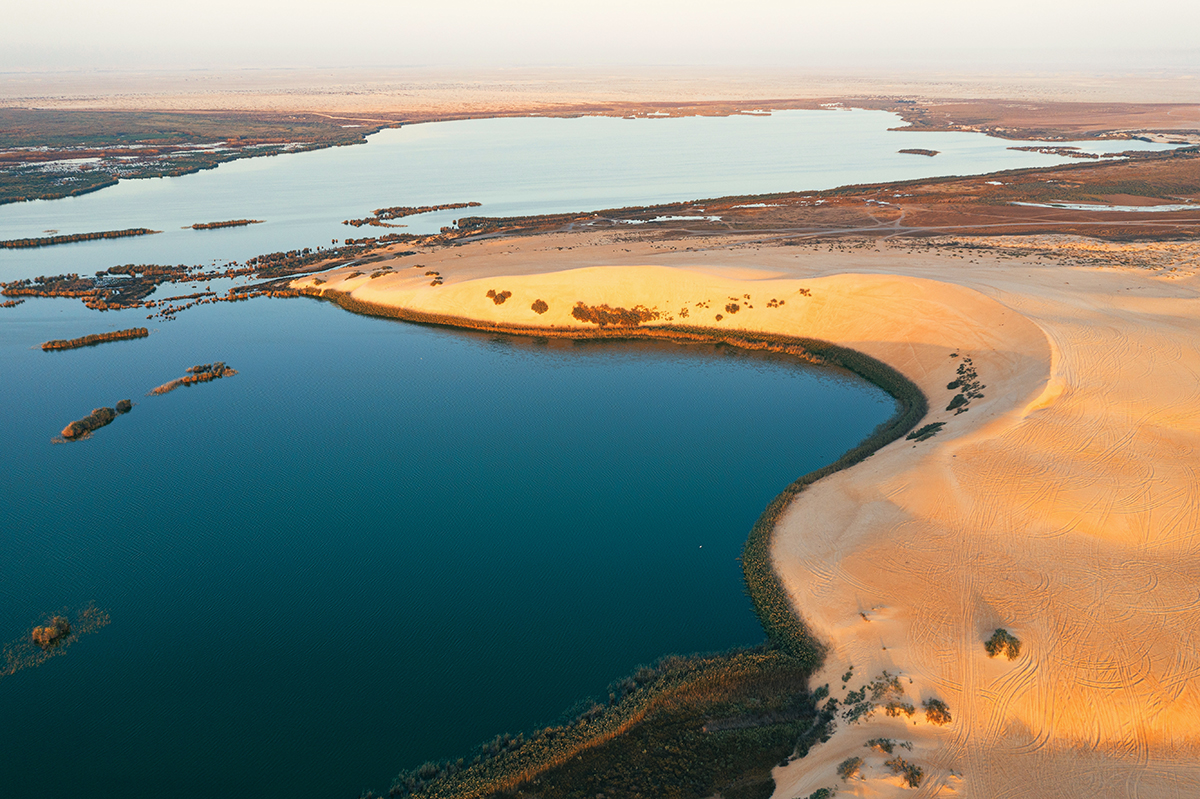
1063, 505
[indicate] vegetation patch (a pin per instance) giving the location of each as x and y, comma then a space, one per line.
539, 307
604, 315
201, 373
227, 223
936, 711
732, 308
497, 297
49, 153
926, 432
49, 241
50, 638
849, 768
380, 216
52, 634
968, 385
685, 727
910, 773
1003, 642
95, 338
887, 745
83, 428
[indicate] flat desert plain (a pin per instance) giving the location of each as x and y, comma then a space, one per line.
1062, 506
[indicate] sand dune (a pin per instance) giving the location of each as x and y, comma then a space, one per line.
1063, 506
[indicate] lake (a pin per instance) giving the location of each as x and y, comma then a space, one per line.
512, 166
382, 543
378, 544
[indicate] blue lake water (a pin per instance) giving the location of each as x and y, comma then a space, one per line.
378, 544
382, 543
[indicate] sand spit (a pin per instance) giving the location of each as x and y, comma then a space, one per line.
1062, 507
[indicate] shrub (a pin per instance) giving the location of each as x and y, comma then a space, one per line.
937, 711
497, 297
923, 433
823, 793
539, 306
1002, 641
895, 709
604, 315
848, 769
52, 634
911, 773
732, 308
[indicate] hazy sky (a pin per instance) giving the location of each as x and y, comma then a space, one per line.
68, 34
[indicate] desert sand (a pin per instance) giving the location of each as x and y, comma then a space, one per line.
1063, 506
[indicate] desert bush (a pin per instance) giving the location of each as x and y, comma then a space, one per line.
732, 308
885, 745
911, 773
926, 432
936, 711
604, 315
498, 297
539, 307
848, 769
1002, 641
896, 709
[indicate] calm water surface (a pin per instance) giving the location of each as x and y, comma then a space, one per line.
376, 545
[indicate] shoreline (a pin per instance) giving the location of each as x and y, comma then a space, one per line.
1073, 462
783, 627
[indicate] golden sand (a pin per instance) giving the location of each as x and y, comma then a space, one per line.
1064, 506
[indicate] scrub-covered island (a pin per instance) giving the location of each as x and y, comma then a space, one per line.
990, 595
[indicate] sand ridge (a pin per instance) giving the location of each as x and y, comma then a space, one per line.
1063, 505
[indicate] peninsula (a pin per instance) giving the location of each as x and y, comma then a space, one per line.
1071, 455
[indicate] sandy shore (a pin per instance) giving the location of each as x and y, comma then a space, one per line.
1063, 506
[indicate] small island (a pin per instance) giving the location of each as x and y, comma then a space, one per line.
82, 428
201, 373
227, 223
95, 338
48, 241
380, 216
51, 635
919, 151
